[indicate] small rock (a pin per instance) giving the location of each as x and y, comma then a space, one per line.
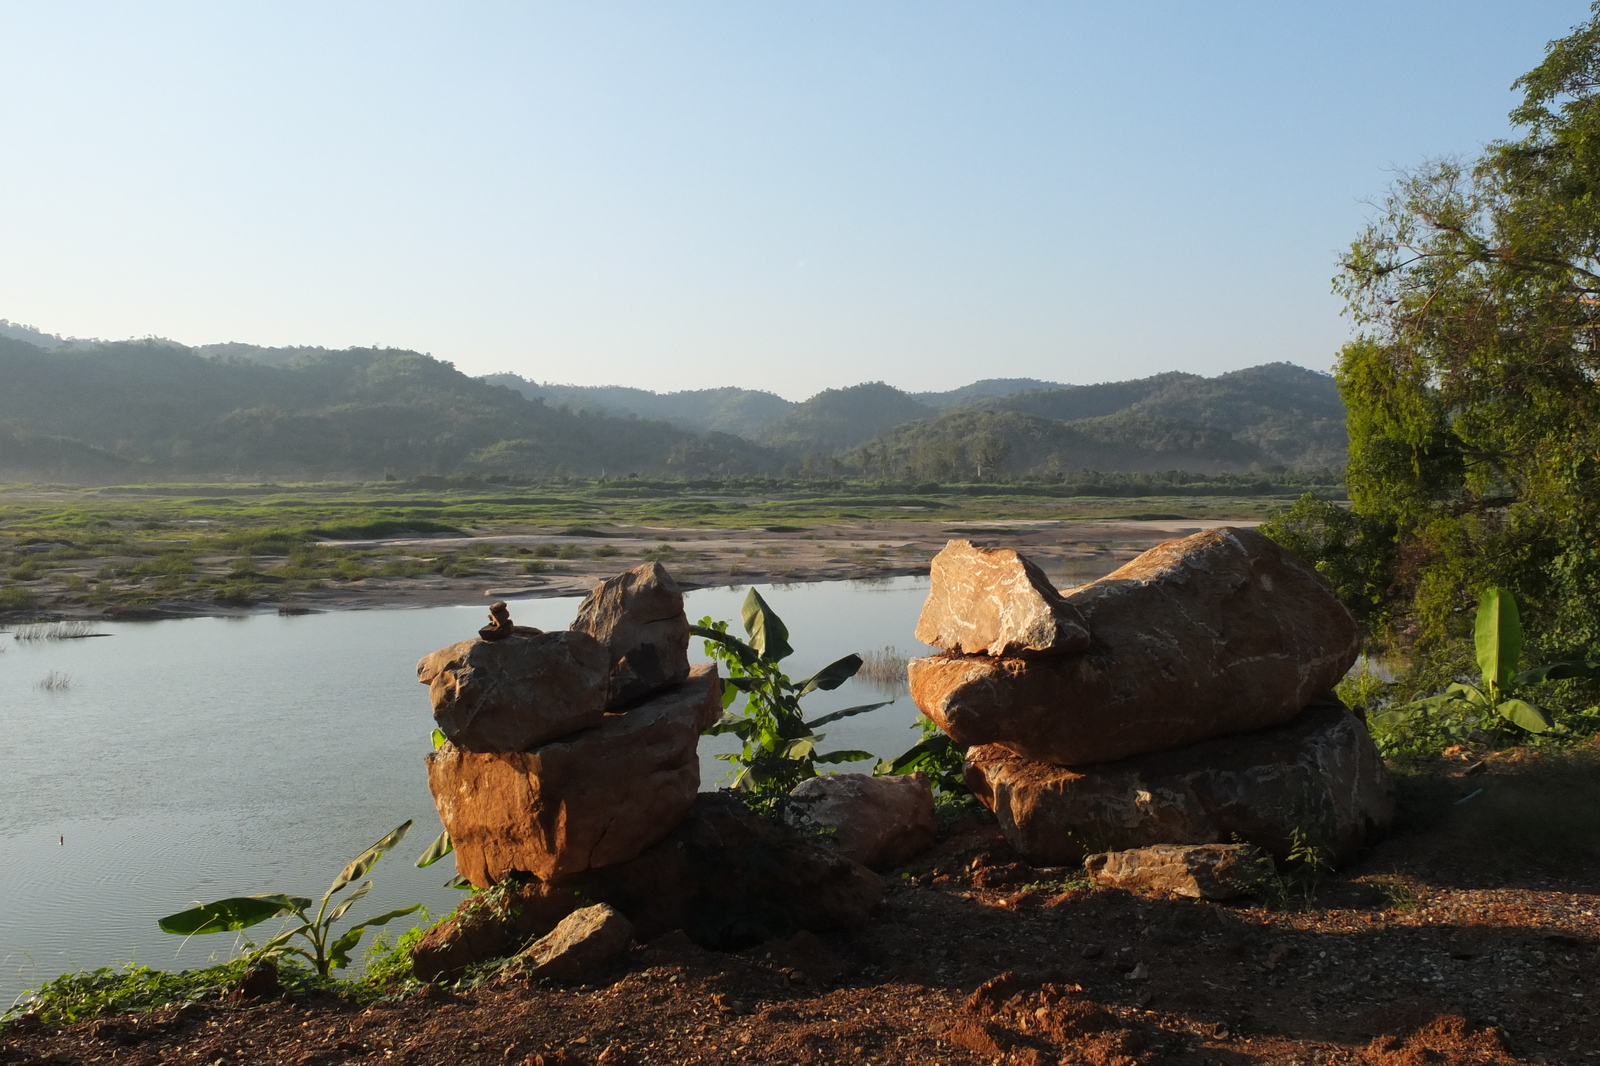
260, 981
1277, 955
1092, 951
514, 693
638, 615
992, 601
876, 821
579, 945
1198, 871
484, 928
596, 798
1140, 972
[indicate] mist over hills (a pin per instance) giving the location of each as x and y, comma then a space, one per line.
75, 410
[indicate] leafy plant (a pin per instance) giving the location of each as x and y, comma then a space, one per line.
1497, 638
780, 743
74, 997
936, 755
325, 952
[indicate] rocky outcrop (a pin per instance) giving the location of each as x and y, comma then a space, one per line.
584, 942
1197, 871
731, 879
638, 615
490, 925
598, 797
992, 601
877, 821
1319, 775
518, 691
1219, 633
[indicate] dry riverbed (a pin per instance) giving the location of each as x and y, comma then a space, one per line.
534, 562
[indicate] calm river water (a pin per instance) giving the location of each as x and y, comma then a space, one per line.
199, 758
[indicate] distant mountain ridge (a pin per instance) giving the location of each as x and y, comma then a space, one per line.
96, 410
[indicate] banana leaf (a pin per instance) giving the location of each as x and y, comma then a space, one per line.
768, 635
233, 913
364, 862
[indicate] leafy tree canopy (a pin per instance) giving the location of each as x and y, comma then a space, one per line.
1471, 392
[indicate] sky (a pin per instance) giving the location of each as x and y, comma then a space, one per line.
779, 195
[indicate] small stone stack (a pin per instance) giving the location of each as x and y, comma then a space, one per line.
571, 750
1182, 699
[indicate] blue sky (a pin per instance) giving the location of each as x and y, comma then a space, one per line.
775, 195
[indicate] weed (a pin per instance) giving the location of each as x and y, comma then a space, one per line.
40, 631
75, 997
55, 681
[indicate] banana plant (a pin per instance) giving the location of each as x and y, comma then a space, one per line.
1497, 639
325, 952
780, 743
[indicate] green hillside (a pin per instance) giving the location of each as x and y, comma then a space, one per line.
165, 409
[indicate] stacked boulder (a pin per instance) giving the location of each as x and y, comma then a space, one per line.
571, 750
570, 769
1182, 699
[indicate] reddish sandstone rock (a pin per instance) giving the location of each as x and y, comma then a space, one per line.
595, 798
1222, 632
518, 691
581, 944
638, 615
992, 601
876, 821
490, 925
1319, 775
1197, 871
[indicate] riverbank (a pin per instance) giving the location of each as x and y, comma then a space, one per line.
109, 554
1466, 939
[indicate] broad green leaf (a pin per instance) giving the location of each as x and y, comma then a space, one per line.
339, 952
742, 651
1533, 718
731, 723
843, 756
833, 675
801, 747
913, 756
438, 739
1390, 719
1498, 637
224, 915
363, 862
1562, 671
768, 635
846, 713
441, 846
1466, 694
458, 882
730, 692
349, 901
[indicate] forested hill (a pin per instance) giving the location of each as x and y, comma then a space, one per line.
135, 409
110, 411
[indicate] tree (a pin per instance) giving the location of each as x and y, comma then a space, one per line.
1471, 392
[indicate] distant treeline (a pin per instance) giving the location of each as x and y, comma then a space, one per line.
143, 410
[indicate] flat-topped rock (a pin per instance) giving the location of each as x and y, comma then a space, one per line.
992, 601
1319, 775
638, 615
1218, 633
1194, 871
517, 691
595, 798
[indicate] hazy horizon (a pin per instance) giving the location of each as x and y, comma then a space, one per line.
787, 198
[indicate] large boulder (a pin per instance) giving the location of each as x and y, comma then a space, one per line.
638, 615
595, 798
1318, 779
1221, 632
992, 601
730, 878
516, 692
876, 821
1197, 871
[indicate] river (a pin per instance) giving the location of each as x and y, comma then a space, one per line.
187, 760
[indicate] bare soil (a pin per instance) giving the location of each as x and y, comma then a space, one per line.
1469, 937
